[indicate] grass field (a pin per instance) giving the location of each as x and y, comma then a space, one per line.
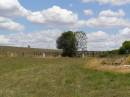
59, 77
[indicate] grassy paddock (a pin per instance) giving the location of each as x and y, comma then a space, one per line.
58, 77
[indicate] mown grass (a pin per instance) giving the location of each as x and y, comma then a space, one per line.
58, 77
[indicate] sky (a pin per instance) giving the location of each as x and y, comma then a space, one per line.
39, 23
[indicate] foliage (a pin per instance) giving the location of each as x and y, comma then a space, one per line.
126, 45
67, 42
122, 50
125, 49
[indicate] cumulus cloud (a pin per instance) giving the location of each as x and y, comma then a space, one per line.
109, 18
113, 2
101, 41
110, 13
51, 17
40, 39
3, 40
12, 8
55, 16
6, 23
62, 18
107, 22
104, 41
88, 12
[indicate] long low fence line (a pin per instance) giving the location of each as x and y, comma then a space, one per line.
28, 52
36, 52
95, 53
92, 53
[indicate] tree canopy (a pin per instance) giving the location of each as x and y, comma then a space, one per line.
125, 49
67, 42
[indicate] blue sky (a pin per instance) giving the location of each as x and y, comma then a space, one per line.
74, 5
39, 23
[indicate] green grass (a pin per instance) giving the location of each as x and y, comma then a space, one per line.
61, 77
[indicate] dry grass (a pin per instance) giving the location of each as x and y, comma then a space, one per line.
119, 65
58, 77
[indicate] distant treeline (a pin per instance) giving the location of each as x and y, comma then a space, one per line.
124, 49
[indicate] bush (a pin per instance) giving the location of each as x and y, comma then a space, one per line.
122, 50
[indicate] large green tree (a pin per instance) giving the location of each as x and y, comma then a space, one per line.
125, 49
67, 42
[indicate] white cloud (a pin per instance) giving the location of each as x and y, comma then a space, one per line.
110, 13
125, 33
107, 22
41, 39
55, 17
12, 8
104, 41
88, 12
109, 18
99, 36
6, 23
63, 18
3, 40
52, 17
113, 2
